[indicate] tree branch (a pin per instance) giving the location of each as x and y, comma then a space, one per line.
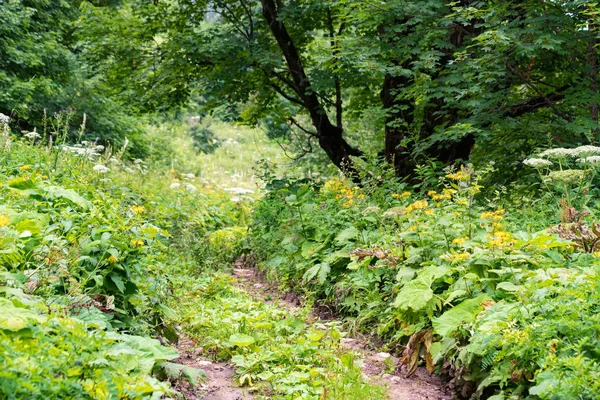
293, 122
541, 95
336, 78
285, 95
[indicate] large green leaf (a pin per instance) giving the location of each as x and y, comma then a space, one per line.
57, 192
16, 318
417, 293
465, 312
241, 340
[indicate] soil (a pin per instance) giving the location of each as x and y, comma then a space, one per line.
420, 386
220, 382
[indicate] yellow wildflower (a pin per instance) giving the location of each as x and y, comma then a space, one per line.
500, 239
112, 259
4, 220
431, 193
429, 212
338, 196
452, 257
401, 196
348, 203
361, 196
138, 209
459, 176
137, 243
24, 167
438, 197
493, 215
417, 205
460, 241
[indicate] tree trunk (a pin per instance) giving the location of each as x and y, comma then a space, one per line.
330, 136
397, 122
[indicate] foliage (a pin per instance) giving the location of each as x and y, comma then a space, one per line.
400, 264
41, 73
275, 351
86, 239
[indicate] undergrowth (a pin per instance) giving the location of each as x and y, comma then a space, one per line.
446, 277
281, 353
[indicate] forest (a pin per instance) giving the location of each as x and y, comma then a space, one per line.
299, 199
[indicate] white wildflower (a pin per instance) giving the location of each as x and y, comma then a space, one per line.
559, 153
537, 162
587, 150
393, 212
190, 188
99, 148
4, 119
189, 176
235, 199
138, 161
101, 168
371, 209
239, 190
590, 160
175, 185
32, 135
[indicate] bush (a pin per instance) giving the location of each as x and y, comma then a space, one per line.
434, 272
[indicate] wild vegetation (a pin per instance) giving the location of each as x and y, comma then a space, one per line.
424, 172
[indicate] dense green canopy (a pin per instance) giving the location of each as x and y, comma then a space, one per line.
405, 80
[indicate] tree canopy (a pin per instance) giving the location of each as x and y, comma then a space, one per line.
448, 80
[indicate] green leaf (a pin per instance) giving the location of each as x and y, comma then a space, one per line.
57, 192
323, 272
241, 340
465, 312
347, 234
417, 293
508, 287
118, 281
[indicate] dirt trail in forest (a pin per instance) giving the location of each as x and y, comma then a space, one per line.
420, 386
220, 383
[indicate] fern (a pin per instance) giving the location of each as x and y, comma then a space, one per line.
488, 360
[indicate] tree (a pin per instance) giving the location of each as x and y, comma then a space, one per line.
453, 80
41, 73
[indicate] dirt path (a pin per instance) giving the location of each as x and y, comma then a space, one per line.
420, 386
219, 384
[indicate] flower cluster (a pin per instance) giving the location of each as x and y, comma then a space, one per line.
138, 209
566, 176
86, 149
452, 257
460, 241
580, 151
101, 168
459, 176
417, 205
589, 160
493, 215
445, 195
400, 195
537, 162
4, 119
500, 239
